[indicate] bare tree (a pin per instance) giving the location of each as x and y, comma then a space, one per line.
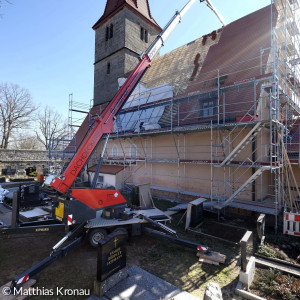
16, 109
1, 4
26, 141
51, 126
1, 1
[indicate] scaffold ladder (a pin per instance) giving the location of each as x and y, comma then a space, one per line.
243, 186
242, 144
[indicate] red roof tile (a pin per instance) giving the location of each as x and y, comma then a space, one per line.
237, 54
108, 169
237, 57
140, 6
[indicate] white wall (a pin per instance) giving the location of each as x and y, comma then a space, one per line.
110, 179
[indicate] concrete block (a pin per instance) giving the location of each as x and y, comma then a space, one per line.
156, 286
247, 277
129, 290
101, 287
246, 295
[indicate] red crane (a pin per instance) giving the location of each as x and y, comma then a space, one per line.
99, 198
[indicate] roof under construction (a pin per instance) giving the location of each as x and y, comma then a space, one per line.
233, 53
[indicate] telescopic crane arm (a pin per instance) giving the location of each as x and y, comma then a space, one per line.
212, 7
105, 122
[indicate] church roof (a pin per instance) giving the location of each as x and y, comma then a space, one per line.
234, 51
181, 66
114, 6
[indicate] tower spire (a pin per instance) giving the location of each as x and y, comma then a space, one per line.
140, 7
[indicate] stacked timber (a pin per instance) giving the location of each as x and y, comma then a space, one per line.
211, 257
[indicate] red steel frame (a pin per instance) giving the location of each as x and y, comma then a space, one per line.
104, 125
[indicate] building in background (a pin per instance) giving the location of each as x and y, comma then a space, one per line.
111, 176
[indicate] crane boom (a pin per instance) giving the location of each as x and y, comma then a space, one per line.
212, 7
104, 123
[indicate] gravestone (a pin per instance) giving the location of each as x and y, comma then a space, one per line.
111, 262
247, 271
30, 170
246, 249
260, 226
30, 195
145, 196
213, 292
194, 213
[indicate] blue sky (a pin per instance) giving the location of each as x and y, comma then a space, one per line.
47, 46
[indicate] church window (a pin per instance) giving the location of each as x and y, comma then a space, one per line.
144, 34
133, 151
207, 108
109, 33
108, 68
114, 151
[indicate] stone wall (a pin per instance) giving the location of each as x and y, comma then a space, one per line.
11, 156
133, 24
122, 52
103, 47
106, 85
23, 159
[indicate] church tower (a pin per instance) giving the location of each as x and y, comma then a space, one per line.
125, 30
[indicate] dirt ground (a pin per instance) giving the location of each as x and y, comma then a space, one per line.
78, 269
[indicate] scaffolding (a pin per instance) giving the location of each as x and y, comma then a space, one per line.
77, 114
61, 150
180, 117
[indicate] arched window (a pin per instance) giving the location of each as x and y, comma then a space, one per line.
133, 151
114, 151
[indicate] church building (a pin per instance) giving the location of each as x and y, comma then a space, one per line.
215, 118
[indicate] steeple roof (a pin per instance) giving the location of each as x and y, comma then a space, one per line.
140, 6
